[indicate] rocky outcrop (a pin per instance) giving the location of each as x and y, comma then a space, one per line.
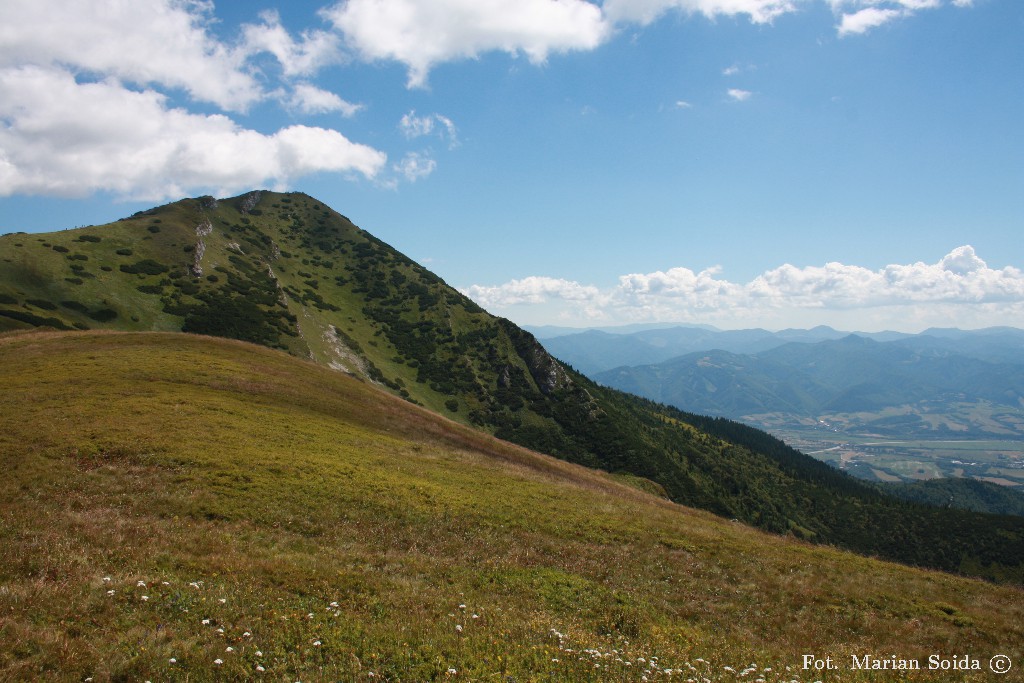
249, 201
547, 373
204, 229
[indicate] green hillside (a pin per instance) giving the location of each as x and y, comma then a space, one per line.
179, 507
286, 272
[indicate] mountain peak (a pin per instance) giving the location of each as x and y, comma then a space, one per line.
285, 271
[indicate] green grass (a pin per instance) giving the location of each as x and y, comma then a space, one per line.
329, 531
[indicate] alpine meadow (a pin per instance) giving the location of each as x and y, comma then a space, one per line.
244, 439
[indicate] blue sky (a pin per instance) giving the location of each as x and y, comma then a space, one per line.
776, 163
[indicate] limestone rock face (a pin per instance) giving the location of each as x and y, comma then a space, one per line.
204, 229
250, 200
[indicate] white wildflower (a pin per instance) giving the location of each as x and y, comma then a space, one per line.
106, 579
218, 662
206, 622
260, 668
229, 649
458, 628
172, 660
141, 584
144, 598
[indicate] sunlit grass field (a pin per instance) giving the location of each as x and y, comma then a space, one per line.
186, 508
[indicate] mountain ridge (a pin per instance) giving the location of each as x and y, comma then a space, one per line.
287, 272
850, 374
597, 350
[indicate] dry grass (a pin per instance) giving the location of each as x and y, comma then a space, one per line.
202, 479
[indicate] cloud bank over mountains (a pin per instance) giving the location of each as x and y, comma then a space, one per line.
904, 297
145, 100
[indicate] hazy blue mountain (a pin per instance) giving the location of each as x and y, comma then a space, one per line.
851, 374
552, 331
596, 350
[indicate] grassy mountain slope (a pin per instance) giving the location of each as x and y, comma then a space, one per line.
174, 501
284, 271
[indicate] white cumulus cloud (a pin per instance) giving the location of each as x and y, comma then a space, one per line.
413, 126
861, 16
421, 34
310, 99
302, 57
866, 19
646, 11
144, 42
960, 287
86, 93
424, 33
531, 290
739, 95
67, 138
415, 165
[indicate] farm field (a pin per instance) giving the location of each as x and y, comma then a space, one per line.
889, 459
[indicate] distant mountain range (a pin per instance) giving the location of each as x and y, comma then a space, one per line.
847, 375
805, 373
595, 350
